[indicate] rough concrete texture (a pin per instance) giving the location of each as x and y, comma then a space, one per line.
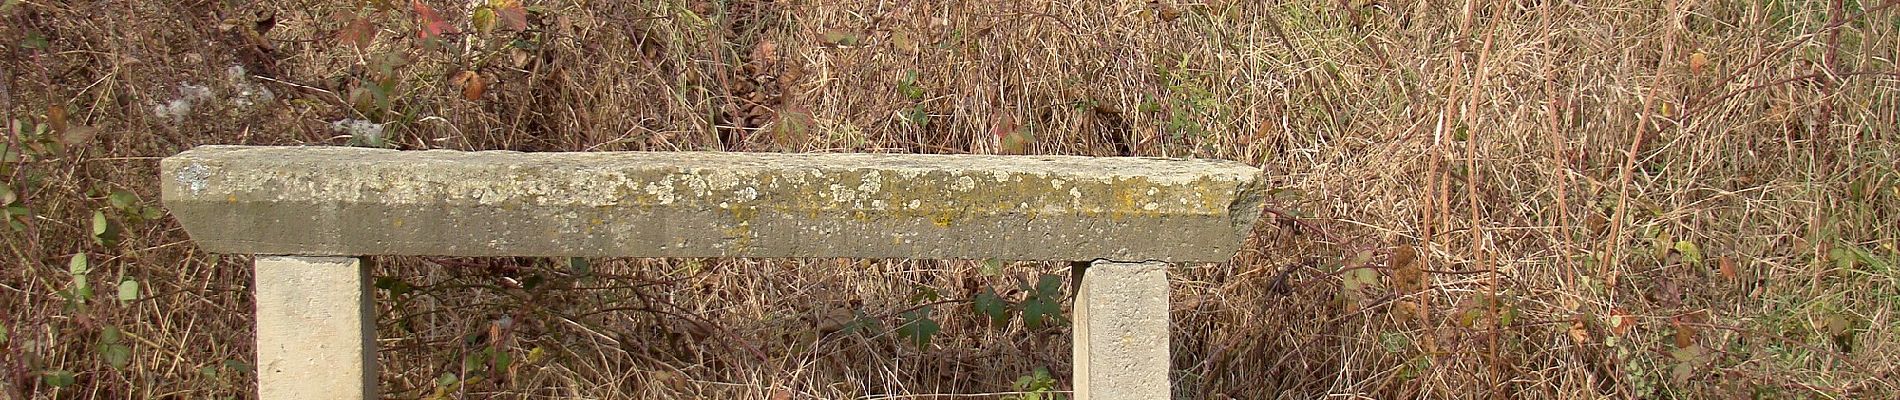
316, 330
1121, 332
355, 201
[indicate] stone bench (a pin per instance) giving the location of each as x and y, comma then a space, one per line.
308, 212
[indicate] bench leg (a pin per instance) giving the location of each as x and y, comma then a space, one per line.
316, 329
1121, 331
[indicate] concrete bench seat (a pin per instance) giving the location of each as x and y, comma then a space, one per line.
308, 211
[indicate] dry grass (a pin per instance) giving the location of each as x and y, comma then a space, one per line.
1544, 158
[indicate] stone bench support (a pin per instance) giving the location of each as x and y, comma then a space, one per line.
1121, 331
316, 329
329, 204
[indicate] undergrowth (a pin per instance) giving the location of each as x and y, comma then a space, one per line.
1549, 200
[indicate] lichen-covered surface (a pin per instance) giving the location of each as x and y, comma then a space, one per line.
354, 201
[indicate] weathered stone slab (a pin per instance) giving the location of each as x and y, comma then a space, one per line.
355, 201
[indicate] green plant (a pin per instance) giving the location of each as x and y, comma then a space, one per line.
917, 113
1037, 385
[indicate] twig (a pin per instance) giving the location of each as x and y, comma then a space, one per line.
942, 396
1834, 25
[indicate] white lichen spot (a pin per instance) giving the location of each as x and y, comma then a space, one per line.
915, 203
964, 184
878, 204
748, 193
193, 177
871, 184
662, 190
1151, 206
721, 179
841, 194
1151, 191
1056, 183
1000, 176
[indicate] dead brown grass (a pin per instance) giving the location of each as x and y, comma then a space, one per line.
1630, 199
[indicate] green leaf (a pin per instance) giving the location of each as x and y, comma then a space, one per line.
918, 327
988, 304
150, 213
99, 223
1690, 253
104, 232
1049, 286
1875, 262
117, 355
396, 287
78, 266
921, 293
1843, 258
58, 378
34, 40
3, 334
908, 86
484, 20
236, 366
992, 267
840, 37
446, 379
502, 359
82, 290
580, 266
128, 290
1037, 311
6, 195
1359, 279
121, 199
861, 323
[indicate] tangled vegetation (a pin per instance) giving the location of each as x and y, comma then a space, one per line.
1471, 199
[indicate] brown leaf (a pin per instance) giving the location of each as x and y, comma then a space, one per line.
360, 32
1597, 223
56, 118
1167, 12
1579, 331
1408, 311
471, 83
1726, 266
77, 135
903, 42
1621, 321
1407, 277
1698, 62
513, 15
1685, 335
766, 52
